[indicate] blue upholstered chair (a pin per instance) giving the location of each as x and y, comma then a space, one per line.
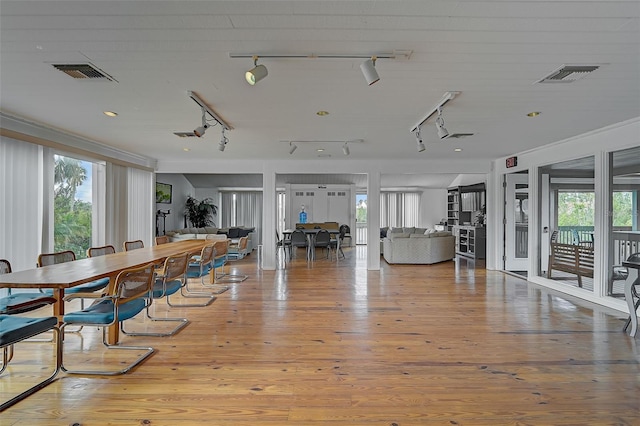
220, 259
46, 259
200, 267
15, 329
170, 282
129, 297
19, 303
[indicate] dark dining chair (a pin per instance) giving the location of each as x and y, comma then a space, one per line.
299, 239
323, 240
284, 244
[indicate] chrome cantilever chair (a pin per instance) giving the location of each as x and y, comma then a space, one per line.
183, 280
132, 245
46, 259
164, 286
19, 303
220, 259
15, 329
163, 239
128, 298
100, 251
201, 266
239, 250
341, 236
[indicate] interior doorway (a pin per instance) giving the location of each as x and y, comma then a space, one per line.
516, 223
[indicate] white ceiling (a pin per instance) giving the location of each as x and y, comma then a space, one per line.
493, 52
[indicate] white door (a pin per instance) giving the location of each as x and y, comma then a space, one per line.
516, 231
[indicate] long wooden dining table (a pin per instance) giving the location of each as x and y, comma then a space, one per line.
62, 276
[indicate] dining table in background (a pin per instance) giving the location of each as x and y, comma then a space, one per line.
311, 235
62, 276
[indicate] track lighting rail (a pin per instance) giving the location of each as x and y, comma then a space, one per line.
448, 96
209, 111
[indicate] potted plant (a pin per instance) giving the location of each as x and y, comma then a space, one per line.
200, 213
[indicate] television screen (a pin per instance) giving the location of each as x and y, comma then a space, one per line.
163, 193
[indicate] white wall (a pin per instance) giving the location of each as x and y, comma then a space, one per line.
181, 188
433, 207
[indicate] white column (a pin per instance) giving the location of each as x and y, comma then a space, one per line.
269, 218
373, 221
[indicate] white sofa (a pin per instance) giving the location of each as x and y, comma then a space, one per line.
418, 247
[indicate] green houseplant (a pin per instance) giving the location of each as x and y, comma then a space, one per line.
200, 213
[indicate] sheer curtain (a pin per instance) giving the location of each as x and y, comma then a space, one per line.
141, 203
243, 209
399, 209
21, 196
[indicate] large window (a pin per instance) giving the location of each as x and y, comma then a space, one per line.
72, 205
399, 209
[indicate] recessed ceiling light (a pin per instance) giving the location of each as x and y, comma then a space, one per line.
534, 114
458, 149
322, 113
320, 149
110, 113
186, 149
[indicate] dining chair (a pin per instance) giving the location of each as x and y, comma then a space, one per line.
46, 259
129, 297
15, 329
164, 286
334, 243
201, 266
239, 251
323, 240
132, 245
221, 259
100, 251
635, 257
163, 239
299, 239
283, 244
21, 302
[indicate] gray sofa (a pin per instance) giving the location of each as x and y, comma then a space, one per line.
233, 234
418, 246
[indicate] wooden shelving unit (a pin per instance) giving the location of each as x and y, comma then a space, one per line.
453, 208
471, 241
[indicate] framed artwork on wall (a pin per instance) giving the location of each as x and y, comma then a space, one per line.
163, 193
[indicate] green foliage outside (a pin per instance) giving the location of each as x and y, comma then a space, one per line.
577, 209
72, 218
361, 212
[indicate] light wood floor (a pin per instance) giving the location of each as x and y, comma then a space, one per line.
333, 343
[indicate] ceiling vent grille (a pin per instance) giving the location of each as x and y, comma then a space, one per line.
459, 135
185, 134
569, 73
83, 72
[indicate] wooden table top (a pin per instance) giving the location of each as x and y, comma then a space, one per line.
70, 274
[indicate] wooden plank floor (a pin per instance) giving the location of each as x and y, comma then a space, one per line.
333, 343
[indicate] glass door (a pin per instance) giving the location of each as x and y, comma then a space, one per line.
516, 222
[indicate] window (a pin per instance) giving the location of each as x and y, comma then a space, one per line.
72, 212
399, 209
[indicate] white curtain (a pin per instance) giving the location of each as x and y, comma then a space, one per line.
243, 209
399, 209
141, 202
116, 218
21, 203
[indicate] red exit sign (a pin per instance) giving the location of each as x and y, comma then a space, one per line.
512, 162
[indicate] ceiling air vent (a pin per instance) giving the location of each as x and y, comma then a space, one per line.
185, 134
459, 135
569, 73
84, 72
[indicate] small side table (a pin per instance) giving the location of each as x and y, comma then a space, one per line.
629, 292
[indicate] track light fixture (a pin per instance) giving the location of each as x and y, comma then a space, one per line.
292, 147
345, 149
368, 69
442, 131
257, 73
224, 141
199, 131
421, 146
